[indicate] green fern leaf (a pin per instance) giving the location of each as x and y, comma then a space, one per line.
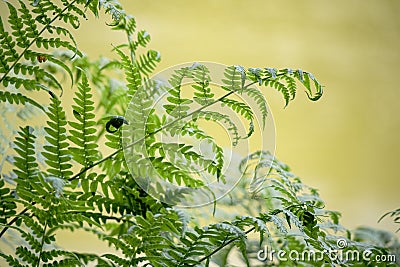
306, 78
17, 26
148, 62
178, 106
239, 107
7, 201
242, 109
56, 151
83, 134
281, 88
260, 100
291, 85
18, 98
218, 117
143, 38
25, 163
235, 78
172, 173
131, 72
201, 76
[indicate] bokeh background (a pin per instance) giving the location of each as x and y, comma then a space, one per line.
347, 144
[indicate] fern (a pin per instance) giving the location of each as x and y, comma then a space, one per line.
83, 134
56, 153
18, 98
215, 116
148, 62
234, 78
26, 167
178, 106
132, 73
201, 77
118, 197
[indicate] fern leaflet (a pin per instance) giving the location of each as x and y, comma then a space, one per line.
83, 134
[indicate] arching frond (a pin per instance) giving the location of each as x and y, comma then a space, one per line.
178, 106
218, 117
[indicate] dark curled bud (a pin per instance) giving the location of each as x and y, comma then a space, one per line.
115, 122
41, 58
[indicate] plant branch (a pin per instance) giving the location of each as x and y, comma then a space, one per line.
225, 244
12, 221
42, 244
155, 132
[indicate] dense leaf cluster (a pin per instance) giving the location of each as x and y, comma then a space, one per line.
58, 176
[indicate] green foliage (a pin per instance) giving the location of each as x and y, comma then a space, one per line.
59, 179
83, 134
56, 151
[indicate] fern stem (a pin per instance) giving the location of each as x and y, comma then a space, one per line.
225, 244
22, 212
34, 40
42, 244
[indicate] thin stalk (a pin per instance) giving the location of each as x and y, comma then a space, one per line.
42, 244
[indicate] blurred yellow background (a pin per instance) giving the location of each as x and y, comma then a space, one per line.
346, 144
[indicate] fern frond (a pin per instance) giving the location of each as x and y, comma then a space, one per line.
395, 214
148, 62
260, 100
243, 109
192, 129
239, 107
235, 78
83, 134
7, 202
25, 163
17, 26
18, 98
132, 73
172, 173
26, 33
291, 86
143, 38
201, 76
306, 78
38, 73
284, 81
255, 75
26, 83
9, 53
113, 8
218, 117
281, 88
178, 106
185, 158
56, 151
